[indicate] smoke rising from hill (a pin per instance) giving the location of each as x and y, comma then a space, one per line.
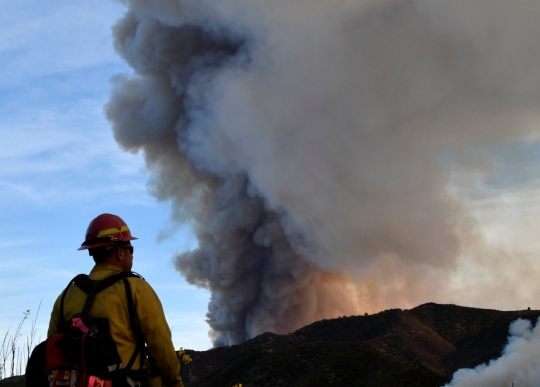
312, 142
519, 363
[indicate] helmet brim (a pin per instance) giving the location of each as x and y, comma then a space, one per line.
105, 243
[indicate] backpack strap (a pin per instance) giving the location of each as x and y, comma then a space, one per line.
64, 297
141, 342
92, 287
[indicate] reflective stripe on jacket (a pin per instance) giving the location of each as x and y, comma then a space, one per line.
111, 303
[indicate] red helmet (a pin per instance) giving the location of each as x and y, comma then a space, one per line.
105, 230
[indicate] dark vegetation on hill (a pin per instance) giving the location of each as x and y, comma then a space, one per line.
423, 346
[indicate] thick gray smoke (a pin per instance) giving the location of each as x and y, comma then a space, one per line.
519, 364
312, 142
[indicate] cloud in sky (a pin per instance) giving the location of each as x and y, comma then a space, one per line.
60, 166
58, 58
52, 155
57, 37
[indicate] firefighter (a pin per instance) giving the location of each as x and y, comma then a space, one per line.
108, 241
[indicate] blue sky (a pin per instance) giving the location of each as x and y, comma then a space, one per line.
60, 166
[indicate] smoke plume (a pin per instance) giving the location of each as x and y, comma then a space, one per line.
313, 141
519, 364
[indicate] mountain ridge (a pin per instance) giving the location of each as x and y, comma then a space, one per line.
429, 342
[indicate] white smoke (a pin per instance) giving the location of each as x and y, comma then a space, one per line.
519, 363
311, 141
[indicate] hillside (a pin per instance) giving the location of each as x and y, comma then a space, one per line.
423, 346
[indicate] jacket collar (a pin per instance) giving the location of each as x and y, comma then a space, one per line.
103, 270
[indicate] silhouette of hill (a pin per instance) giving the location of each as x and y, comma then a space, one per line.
13, 381
423, 346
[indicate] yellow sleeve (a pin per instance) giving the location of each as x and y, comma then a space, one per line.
157, 334
55, 317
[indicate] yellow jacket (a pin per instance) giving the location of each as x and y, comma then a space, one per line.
111, 303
